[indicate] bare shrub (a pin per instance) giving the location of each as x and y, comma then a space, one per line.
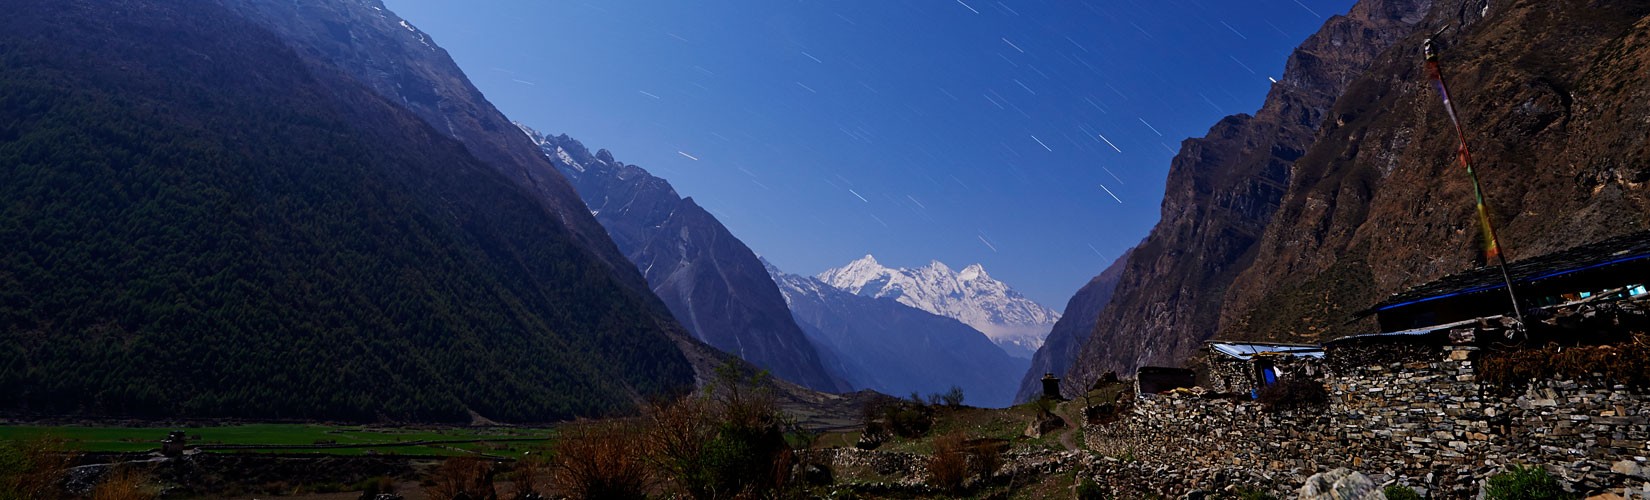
33, 468
124, 484
530, 476
987, 457
948, 468
372, 487
470, 477
729, 442
601, 461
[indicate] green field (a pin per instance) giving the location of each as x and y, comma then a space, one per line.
279, 438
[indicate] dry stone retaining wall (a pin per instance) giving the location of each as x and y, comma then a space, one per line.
1428, 424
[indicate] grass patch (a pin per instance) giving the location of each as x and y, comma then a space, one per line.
136, 439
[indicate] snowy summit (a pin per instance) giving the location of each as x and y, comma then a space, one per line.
971, 296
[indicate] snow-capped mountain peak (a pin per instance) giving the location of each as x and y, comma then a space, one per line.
971, 296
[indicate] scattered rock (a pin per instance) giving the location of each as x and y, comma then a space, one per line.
1340, 484
1627, 467
1037, 428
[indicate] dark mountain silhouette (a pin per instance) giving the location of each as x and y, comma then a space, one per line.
200, 219
1069, 334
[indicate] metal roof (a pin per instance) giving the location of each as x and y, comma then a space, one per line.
1246, 350
1414, 332
1609, 252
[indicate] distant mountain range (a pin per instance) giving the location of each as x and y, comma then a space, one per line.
804, 329
971, 296
711, 282
887, 346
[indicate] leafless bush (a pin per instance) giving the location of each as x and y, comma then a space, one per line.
729, 442
986, 457
601, 461
467, 476
33, 468
123, 483
530, 476
948, 468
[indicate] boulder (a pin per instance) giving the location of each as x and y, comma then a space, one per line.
1042, 425
1340, 484
1628, 468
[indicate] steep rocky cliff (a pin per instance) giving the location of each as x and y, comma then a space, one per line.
1555, 100
1067, 338
712, 282
1222, 191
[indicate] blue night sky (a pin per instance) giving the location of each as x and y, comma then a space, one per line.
1030, 136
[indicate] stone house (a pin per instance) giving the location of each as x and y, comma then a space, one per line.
1608, 270
1155, 379
1246, 367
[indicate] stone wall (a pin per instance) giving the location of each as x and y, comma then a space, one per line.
1428, 424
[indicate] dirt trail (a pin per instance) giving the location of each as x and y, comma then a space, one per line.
1068, 438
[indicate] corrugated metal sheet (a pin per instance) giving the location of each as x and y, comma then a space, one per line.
1246, 350
1414, 332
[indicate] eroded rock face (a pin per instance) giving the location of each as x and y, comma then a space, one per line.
1344, 187
1553, 98
1222, 192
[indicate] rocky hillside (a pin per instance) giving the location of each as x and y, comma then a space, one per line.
971, 296
1222, 193
714, 285
1555, 98
1066, 340
889, 347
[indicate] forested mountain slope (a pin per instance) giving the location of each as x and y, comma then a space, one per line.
195, 221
